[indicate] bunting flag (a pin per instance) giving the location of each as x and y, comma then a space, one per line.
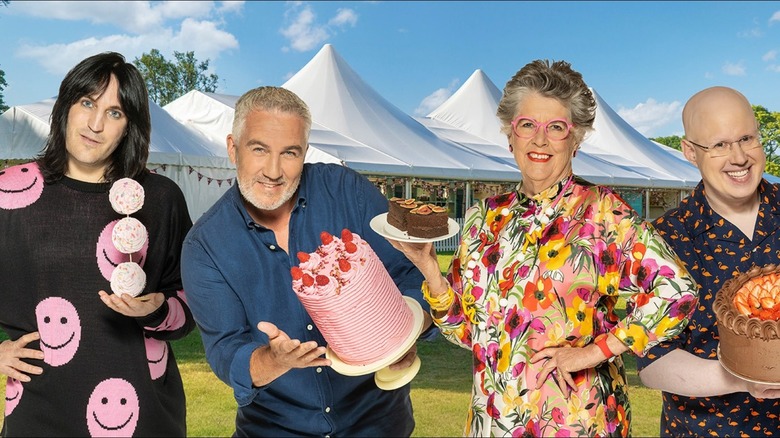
191, 170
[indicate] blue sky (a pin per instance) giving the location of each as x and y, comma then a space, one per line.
644, 58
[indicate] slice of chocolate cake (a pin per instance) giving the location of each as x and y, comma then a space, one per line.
427, 221
398, 211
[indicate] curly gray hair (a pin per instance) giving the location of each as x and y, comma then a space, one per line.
555, 80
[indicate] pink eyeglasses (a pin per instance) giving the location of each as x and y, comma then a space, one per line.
556, 129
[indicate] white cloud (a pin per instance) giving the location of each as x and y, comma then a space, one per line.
304, 32
650, 115
773, 67
205, 36
344, 17
231, 7
166, 26
435, 99
130, 16
750, 33
769, 56
733, 69
775, 17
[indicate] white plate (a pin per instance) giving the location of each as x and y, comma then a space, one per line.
346, 369
380, 225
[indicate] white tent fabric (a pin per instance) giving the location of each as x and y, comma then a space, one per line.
212, 115
180, 153
472, 109
614, 137
341, 101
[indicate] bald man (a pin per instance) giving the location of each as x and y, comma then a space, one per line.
730, 222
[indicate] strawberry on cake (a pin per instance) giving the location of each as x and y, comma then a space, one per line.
351, 298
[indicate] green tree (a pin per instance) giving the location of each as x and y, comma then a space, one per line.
772, 168
192, 74
673, 141
769, 129
167, 80
3, 84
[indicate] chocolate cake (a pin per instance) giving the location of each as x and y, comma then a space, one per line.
427, 221
398, 211
750, 342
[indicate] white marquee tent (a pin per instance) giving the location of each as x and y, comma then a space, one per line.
197, 164
341, 101
471, 111
212, 114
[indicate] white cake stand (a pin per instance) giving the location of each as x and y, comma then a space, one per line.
385, 378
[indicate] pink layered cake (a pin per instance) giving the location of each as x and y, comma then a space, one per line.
348, 293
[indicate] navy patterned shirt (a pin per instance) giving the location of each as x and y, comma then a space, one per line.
714, 251
239, 276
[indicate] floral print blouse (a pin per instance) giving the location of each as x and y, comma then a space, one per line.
547, 271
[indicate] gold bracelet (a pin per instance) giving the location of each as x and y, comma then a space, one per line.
440, 303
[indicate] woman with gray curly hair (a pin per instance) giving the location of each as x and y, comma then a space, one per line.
532, 289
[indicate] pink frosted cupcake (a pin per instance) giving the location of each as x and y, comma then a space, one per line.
129, 235
126, 196
128, 278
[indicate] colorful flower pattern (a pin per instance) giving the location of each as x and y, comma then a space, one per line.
547, 271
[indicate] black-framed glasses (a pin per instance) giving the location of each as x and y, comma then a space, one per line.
723, 148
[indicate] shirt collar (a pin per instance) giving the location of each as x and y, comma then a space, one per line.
547, 196
238, 200
704, 217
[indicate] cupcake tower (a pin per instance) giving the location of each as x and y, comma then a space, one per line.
128, 236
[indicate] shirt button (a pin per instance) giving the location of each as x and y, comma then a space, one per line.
272, 247
327, 409
309, 327
319, 369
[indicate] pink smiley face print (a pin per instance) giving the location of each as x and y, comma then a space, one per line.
113, 409
60, 329
156, 356
108, 257
13, 393
20, 186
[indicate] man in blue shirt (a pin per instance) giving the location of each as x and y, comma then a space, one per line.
730, 222
236, 270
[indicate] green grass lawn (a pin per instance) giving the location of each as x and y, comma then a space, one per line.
440, 391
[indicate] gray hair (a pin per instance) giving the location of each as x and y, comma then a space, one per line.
558, 81
270, 99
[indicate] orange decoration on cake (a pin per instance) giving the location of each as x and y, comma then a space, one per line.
747, 310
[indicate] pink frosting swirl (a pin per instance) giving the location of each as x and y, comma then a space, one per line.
129, 235
128, 278
126, 196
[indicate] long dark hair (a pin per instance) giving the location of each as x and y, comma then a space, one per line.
90, 77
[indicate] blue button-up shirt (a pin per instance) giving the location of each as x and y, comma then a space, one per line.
236, 275
714, 250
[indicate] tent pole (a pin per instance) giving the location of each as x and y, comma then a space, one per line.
467, 196
647, 204
407, 188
